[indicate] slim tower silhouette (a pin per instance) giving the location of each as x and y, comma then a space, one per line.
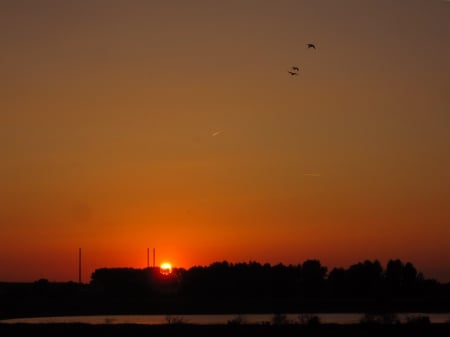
79, 265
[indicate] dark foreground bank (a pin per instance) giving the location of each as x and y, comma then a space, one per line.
246, 330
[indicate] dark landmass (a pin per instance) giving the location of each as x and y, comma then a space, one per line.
238, 288
186, 330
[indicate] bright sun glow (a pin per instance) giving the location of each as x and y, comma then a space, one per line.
166, 268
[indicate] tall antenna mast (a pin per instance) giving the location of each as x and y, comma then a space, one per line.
79, 265
154, 257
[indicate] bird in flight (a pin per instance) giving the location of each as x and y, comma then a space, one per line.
311, 45
293, 71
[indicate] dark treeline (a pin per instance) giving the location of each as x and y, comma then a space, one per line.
223, 287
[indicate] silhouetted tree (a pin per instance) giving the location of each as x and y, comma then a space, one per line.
364, 279
313, 277
337, 282
394, 276
409, 278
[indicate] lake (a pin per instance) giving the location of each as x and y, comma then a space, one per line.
340, 318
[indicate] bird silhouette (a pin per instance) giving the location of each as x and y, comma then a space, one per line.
295, 68
293, 73
311, 45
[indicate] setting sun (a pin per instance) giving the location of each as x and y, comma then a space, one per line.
166, 268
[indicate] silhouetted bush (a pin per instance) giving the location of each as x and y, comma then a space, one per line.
175, 320
382, 318
418, 320
309, 319
280, 319
238, 320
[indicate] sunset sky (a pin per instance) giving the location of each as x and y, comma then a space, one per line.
127, 125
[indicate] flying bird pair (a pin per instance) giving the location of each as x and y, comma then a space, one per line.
294, 69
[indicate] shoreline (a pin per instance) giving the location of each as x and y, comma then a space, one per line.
241, 318
223, 330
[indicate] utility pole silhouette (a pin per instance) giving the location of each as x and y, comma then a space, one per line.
79, 265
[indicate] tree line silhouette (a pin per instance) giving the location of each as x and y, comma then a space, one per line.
234, 288
247, 280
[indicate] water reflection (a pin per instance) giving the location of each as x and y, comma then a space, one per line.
339, 318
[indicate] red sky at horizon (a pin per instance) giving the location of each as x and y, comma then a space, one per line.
127, 125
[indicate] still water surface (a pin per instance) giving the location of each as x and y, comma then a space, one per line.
340, 318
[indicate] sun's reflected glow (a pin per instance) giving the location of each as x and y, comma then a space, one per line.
166, 268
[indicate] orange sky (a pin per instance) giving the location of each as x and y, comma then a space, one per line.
174, 124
